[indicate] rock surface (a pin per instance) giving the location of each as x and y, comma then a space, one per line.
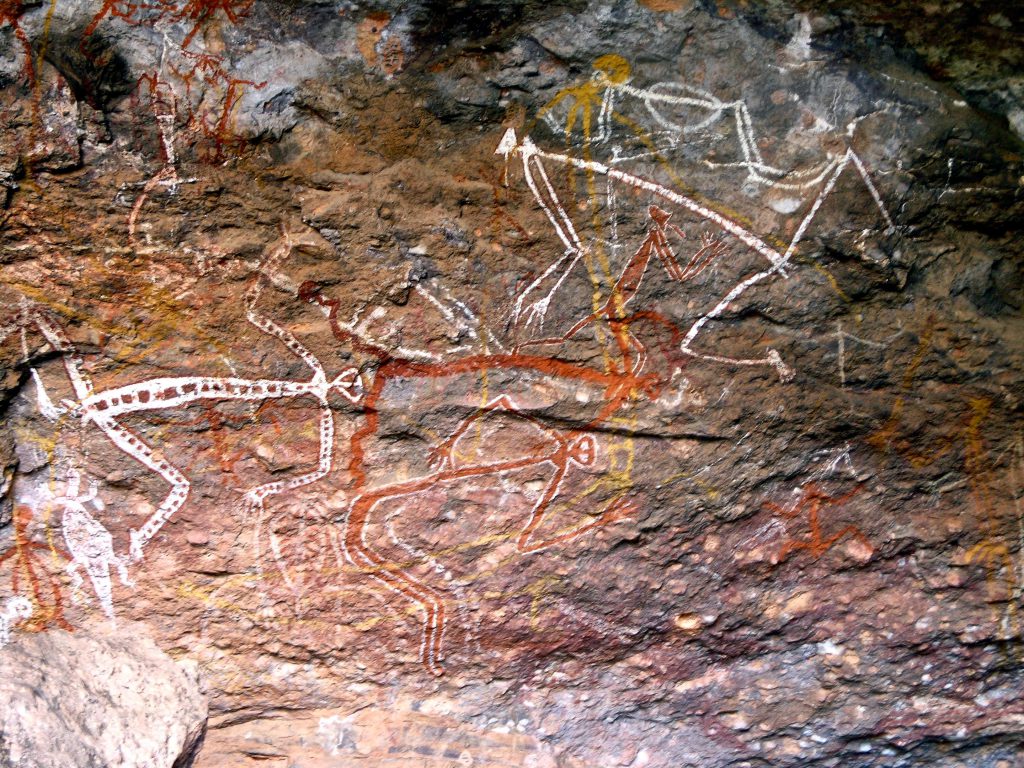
506, 383
96, 698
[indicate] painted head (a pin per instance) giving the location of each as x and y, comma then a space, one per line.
19, 608
611, 69
349, 384
583, 450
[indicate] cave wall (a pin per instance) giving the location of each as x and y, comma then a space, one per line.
507, 383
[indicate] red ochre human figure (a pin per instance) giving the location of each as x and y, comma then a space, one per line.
44, 590
120, 9
813, 498
201, 11
215, 125
567, 448
563, 450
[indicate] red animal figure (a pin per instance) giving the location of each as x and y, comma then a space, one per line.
564, 449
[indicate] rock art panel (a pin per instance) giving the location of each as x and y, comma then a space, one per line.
452, 389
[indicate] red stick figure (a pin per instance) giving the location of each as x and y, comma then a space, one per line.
201, 11
813, 498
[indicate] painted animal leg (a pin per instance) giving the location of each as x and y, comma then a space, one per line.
850, 530
73, 364
99, 575
792, 546
271, 328
293, 344
547, 198
441, 456
618, 509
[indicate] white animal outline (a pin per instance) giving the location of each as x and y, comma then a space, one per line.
668, 93
102, 408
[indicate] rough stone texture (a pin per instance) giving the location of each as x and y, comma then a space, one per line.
526, 384
96, 698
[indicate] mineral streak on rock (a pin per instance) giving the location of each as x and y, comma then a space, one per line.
507, 383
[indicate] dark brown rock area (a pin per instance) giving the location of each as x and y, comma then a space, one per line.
507, 383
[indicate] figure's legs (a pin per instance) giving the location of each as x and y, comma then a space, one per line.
789, 547
394, 578
256, 496
99, 575
850, 530
121, 565
76, 579
135, 447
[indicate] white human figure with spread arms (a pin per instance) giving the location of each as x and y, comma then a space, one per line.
533, 159
90, 542
591, 115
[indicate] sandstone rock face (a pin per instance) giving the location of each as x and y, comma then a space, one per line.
96, 698
504, 383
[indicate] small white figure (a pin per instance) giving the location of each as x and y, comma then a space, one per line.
91, 546
15, 609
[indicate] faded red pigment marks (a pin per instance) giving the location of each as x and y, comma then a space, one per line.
199, 12
812, 501
195, 89
964, 444
27, 565
11, 12
126, 11
212, 125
